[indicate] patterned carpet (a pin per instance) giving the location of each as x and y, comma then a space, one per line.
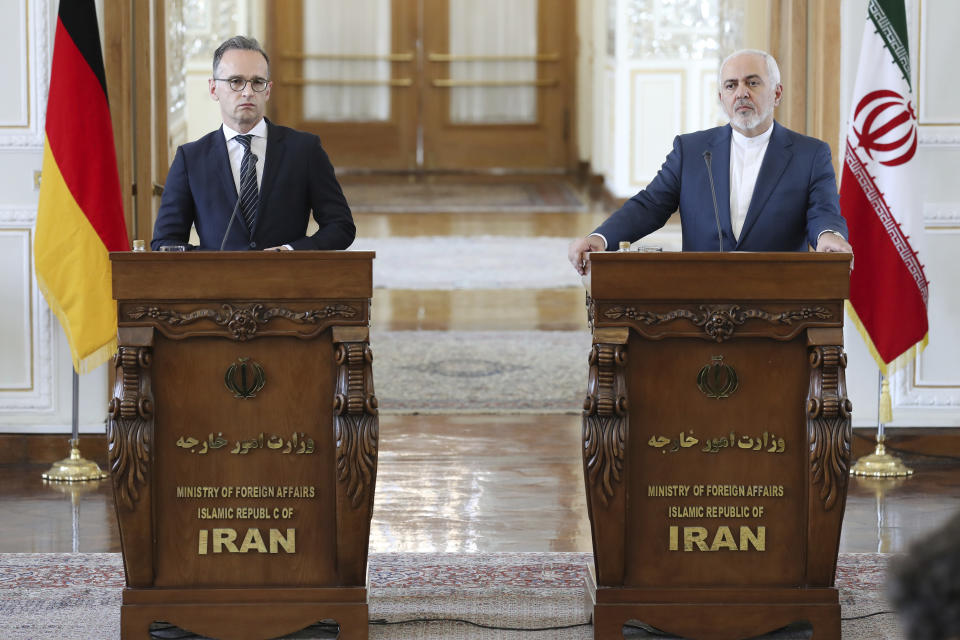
77, 596
527, 197
480, 371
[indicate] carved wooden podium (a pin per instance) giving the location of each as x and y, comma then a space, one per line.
716, 441
243, 440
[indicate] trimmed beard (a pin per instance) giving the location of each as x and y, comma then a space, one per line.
749, 122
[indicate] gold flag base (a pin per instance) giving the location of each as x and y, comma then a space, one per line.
74, 468
880, 464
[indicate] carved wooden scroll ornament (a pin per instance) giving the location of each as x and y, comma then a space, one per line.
718, 322
605, 419
829, 423
355, 421
243, 321
130, 423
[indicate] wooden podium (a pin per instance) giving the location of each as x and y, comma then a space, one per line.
242, 440
716, 441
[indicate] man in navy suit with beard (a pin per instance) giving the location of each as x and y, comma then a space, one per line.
772, 189
251, 184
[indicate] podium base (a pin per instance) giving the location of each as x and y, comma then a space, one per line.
245, 613
714, 613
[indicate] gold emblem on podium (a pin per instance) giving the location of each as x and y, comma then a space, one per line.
717, 379
245, 378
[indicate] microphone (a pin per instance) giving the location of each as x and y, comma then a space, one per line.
707, 156
236, 208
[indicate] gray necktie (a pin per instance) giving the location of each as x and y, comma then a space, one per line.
249, 194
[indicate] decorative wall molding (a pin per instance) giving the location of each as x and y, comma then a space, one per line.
941, 214
909, 389
910, 392
649, 86
939, 136
17, 217
39, 51
208, 23
935, 38
39, 399
681, 30
176, 60
15, 36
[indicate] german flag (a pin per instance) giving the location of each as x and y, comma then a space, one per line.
80, 211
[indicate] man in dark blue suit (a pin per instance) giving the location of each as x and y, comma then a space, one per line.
251, 184
752, 185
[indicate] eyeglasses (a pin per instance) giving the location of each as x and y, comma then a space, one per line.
238, 84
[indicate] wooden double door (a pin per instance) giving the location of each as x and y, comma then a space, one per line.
428, 85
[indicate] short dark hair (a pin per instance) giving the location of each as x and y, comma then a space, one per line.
925, 585
239, 42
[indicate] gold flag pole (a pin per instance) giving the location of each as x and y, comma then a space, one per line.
75, 468
881, 464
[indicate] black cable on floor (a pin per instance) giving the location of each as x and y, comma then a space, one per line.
167, 633
870, 615
478, 624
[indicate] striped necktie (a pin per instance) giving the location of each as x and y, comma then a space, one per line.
249, 194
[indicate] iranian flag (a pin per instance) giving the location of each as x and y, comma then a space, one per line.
879, 197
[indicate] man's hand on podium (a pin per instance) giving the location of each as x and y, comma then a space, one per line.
577, 253
282, 247
830, 241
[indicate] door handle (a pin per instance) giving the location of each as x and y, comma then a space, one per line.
455, 57
448, 83
351, 82
390, 57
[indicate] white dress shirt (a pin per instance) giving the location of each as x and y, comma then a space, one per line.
746, 156
258, 146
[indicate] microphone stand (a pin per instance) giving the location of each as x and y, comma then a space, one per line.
707, 157
233, 216
236, 208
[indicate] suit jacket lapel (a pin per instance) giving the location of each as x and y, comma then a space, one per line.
775, 162
220, 160
719, 148
275, 150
